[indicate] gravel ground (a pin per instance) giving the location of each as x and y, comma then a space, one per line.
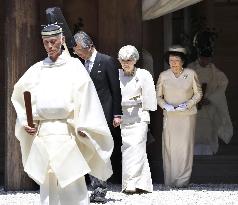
209, 194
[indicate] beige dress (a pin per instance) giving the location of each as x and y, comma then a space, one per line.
178, 126
138, 97
64, 101
213, 120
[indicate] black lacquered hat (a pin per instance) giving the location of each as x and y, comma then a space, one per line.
204, 42
51, 30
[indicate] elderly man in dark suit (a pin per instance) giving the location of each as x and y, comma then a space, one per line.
104, 72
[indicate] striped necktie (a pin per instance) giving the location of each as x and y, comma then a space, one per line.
87, 65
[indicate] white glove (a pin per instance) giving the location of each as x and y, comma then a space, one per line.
182, 107
168, 107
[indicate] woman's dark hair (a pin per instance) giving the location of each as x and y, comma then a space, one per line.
175, 53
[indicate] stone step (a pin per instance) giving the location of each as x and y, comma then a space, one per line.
215, 169
206, 169
228, 149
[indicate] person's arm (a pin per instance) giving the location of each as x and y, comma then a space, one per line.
197, 92
204, 100
112, 72
159, 92
149, 101
219, 82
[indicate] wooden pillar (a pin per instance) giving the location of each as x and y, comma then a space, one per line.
2, 90
22, 42
119, 23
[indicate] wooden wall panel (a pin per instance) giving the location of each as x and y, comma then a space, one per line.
21, 50
87, 10
2, 92
153, 41
119, 23
107, 27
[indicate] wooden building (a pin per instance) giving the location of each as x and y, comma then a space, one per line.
113, 24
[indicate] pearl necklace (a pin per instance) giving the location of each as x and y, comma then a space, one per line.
179, 73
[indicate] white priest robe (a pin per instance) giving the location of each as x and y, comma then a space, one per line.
138, 97
213, 120
64, 101
178, 126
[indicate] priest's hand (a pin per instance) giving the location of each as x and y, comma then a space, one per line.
31, 130
204, 101
82, 134
117, 121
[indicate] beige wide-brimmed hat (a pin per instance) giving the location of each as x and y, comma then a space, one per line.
177, 48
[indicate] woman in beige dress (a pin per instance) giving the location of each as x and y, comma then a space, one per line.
178, 91
138, 98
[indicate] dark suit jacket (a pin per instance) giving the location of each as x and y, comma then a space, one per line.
105, 75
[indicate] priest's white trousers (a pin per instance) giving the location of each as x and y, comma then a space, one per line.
50, 191
74, 194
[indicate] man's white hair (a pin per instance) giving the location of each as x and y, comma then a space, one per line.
128, 52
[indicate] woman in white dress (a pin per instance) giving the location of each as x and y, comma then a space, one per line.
138, 97
178, 91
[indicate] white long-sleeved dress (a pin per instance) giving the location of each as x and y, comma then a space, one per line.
138, 97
